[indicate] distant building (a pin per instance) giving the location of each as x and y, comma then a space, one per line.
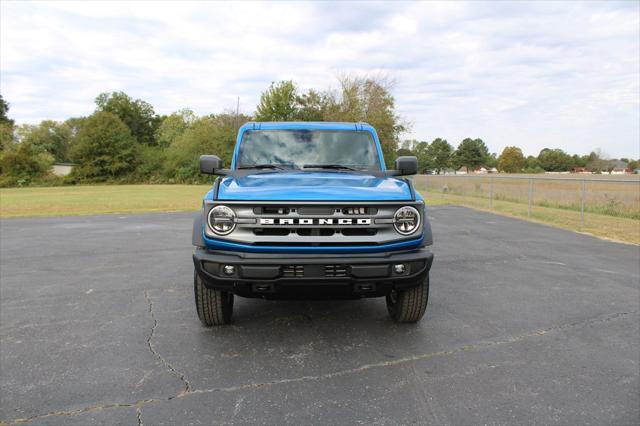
462, 171
62, 169
620, 171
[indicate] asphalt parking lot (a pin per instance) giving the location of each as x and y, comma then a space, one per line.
525, 323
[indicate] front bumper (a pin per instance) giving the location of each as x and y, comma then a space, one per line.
276, 276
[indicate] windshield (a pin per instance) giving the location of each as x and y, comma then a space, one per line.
308, 148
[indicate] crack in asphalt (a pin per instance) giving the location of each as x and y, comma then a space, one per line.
481, 345
139, 416
91, 409
187, 385
413, 358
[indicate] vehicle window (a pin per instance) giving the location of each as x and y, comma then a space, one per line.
300, 148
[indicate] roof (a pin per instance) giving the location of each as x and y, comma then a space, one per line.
310, 125
619, 164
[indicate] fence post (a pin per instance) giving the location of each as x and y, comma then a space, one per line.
491, 192
426, 184
445, 187
582, 196
530, 196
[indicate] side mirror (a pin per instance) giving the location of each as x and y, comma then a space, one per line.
406, 165
210, 164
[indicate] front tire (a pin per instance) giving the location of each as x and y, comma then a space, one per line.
409, 305
214, 307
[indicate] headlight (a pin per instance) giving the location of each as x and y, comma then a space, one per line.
406, 220
222, 220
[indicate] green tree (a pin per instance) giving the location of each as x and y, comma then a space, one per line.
580, 160
555, 160
531, 162
311, 106
150, 164
408, 144
369, 100
403, 152
359, 100
532, 165
137, 114
6, 127
23, 162
278, 102
75, 124
420, 150
104, 148
511, 160
6, 136
173, 126
472, 153
439, 154
492, 161
4, 110
214, 134
52, 136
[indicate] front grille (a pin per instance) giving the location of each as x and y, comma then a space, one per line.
315, 232
354, 232
271, 210
335, 270
271, 231
316, 211
293, 271
315, 224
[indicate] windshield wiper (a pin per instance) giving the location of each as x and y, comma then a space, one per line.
262, 166
328, 166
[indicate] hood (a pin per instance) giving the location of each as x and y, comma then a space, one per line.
313, 186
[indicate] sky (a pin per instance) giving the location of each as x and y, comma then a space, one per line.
532, 74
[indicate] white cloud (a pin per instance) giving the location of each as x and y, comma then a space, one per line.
561, 74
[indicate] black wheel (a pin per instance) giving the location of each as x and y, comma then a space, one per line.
214, 306
409, 305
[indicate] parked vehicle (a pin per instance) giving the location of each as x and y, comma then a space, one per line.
308, 210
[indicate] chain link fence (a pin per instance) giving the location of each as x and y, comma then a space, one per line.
589, 203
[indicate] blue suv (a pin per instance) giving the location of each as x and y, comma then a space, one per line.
308, 210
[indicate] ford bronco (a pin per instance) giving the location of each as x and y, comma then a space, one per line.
308, 210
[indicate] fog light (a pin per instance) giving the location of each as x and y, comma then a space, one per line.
229, 269
399, 268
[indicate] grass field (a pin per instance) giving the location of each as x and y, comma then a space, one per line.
99, 199
603, 226
606, 196
611, 207
557, 209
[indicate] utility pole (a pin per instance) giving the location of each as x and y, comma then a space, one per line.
238, 114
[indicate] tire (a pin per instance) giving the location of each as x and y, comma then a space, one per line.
214, 307
409, 305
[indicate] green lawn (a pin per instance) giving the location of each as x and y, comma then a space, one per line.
98, 199
102, 199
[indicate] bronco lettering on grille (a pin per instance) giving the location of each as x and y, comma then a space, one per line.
318, 221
